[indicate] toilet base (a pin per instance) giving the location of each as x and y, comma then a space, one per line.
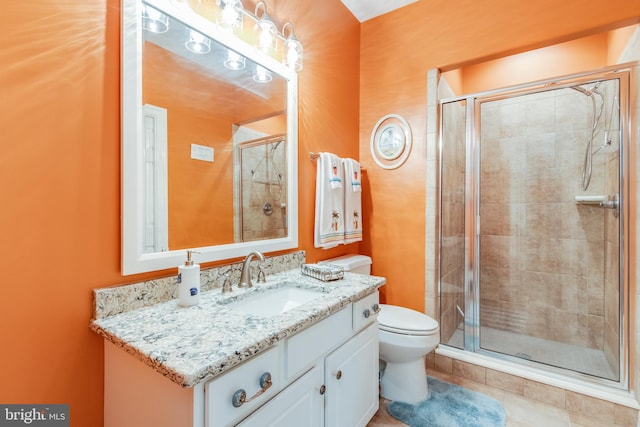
406, 382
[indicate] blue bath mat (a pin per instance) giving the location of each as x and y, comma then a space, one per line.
450, 405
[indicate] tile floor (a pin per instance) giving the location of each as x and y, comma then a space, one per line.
521, 412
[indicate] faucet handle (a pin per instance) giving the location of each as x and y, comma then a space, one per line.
262, 277
226, 286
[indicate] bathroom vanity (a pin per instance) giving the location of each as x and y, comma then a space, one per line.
241, 358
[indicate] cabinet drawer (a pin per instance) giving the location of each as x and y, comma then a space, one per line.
313, 343
299, 405
219, 393
365, 311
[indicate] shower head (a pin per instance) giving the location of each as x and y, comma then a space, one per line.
274, 145
588, 92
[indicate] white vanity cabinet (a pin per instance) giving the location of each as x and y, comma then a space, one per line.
323, 376
341, 389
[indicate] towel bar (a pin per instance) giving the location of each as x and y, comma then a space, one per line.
314, 156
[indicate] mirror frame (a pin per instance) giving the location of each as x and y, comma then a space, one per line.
133, 259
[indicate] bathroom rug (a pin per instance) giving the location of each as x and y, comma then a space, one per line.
450, 405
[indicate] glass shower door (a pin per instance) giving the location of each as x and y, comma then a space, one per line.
549, 258
452, 238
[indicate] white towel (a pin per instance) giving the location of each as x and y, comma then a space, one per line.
352, 201
329, 224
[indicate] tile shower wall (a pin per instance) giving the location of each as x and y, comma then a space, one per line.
264, 182
544, 259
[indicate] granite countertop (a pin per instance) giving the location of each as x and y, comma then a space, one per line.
190, 345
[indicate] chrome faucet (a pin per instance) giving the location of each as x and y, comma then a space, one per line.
245, 276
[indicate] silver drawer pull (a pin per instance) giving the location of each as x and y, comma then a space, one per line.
366, 313
376, 308
240, 396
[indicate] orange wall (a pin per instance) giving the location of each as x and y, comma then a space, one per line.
617, 41
194, 221
397, 50
566, 58
586, 53
60, 178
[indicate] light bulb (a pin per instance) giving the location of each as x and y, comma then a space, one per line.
293, 49
198, 43
267, 32
153, 20
230, 14
234, 61
262, 75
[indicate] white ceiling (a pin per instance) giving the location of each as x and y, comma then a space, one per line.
367, 9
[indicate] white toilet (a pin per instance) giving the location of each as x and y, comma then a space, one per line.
406, 336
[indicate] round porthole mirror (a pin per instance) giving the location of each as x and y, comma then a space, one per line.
391, 141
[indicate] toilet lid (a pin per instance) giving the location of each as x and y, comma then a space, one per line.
405, 321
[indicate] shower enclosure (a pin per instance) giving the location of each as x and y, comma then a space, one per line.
534, 186
261, 189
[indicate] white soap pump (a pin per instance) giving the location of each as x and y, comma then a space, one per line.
189, 282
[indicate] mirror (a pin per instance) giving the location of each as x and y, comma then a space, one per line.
209, 150
391, 141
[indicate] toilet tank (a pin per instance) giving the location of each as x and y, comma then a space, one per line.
353, 263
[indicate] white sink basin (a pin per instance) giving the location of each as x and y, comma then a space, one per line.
274, 301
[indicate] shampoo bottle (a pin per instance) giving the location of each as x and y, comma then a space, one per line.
189, 282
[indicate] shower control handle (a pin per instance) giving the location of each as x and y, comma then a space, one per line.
612, 204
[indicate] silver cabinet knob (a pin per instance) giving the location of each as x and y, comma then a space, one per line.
366, 313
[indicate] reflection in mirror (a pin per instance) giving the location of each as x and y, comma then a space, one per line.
211, 163
261, 188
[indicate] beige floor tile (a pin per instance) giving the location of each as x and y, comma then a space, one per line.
382, 417
523, 412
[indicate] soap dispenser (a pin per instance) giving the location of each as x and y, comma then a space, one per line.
189, 282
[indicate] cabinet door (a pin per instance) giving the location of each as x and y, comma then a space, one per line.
351, 377
299, 405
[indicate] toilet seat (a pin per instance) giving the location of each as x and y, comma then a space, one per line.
401, 320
